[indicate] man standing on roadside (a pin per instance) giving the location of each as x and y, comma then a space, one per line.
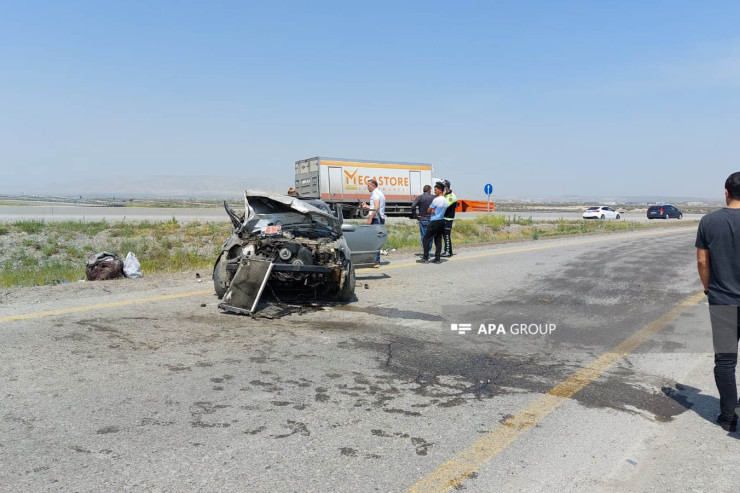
377, 209
718, 260
436, 224
422, 202
449, 218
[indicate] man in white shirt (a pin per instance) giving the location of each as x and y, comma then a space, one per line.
377, 206
436, 227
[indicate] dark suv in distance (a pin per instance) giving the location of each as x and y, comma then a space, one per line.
665, 211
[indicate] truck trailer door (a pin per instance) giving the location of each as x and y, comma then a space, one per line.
414, 183
335, 183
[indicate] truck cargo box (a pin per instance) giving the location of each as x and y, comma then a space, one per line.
344, 181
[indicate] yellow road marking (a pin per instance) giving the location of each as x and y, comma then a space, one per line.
530, 249
195, 293
467, 462
102, 305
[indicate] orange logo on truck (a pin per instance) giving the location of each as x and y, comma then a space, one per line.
383, 180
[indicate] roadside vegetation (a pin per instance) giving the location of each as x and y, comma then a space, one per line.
498, 229
36, 253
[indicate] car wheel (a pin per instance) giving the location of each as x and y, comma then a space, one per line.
347, 290
221, 277
680, 216
666, 216
603, 216
618, 216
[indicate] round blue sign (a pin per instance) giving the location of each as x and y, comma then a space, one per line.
488, 189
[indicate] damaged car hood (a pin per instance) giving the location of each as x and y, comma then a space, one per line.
263, 208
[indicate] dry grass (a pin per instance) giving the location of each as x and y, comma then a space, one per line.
38, 253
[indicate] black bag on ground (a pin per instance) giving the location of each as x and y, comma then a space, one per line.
103, 266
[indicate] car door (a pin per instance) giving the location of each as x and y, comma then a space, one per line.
364, 241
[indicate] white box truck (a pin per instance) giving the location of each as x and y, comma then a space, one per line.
343, 182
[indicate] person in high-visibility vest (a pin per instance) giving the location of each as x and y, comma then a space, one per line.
449, 218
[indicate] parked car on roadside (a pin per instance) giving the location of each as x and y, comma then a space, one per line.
665, 211
601, 212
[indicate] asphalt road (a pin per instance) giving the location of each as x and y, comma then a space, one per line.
184, 215
143, 385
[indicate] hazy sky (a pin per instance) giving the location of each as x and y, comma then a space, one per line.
537, 98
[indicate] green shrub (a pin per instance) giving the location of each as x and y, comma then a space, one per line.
50, 248
38, 275
30, 226
89, 228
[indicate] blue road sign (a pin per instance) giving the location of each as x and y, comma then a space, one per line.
488, 189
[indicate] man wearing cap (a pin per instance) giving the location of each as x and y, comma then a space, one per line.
449, 218
436, 224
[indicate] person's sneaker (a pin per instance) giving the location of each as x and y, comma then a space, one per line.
445, 254
436, 260
376, 266
730, 426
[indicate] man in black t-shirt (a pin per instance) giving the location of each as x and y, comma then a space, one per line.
718, 260
421, 203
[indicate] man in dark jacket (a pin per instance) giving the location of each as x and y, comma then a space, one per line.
449, 218
419, 208
718, 260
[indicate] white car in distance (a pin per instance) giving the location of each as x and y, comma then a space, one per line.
600, 212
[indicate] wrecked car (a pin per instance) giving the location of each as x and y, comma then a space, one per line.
297, 247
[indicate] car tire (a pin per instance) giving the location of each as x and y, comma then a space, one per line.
347, 291
680, 216
666, 216
603, 216
618, 216
221, 277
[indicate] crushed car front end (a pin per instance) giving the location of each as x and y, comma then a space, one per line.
304, 245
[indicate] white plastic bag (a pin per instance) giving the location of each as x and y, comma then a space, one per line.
131, 266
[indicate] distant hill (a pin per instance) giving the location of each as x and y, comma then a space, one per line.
226, 187
163, 186
610, 199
